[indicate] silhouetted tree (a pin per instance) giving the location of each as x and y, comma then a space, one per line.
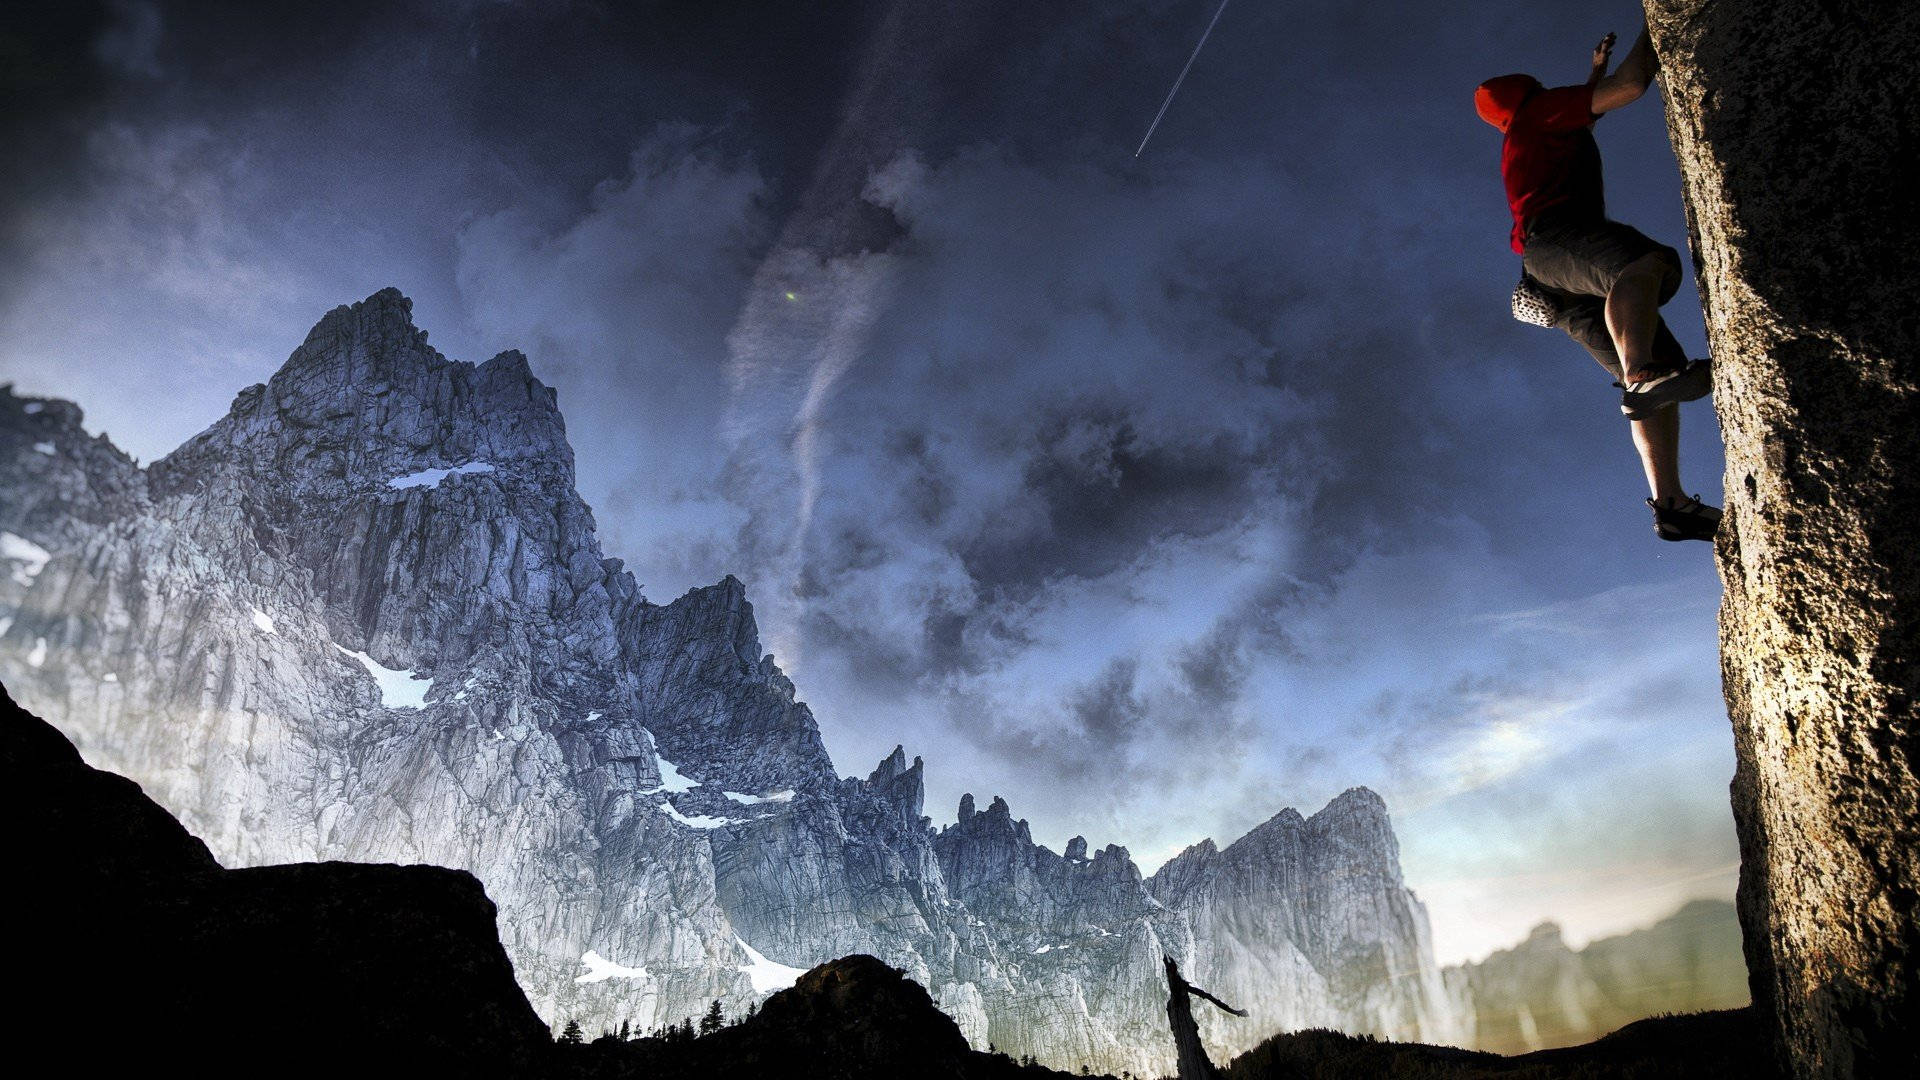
714, 1020
1189, 1055
626, 1030
571, 1036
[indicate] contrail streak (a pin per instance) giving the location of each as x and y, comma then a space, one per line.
1182, 78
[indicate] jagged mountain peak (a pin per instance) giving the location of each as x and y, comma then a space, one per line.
366, 400
1355, 800
362, 342
901, 785
51, 412
892, 765
385, 315
54, 426
1206, 848
59, 480
723, 611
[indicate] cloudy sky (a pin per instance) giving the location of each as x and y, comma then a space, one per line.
1155, 494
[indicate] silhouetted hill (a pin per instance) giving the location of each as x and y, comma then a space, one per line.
132, 952
1726, 1045
854, 1018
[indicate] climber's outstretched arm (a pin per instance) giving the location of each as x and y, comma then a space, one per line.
1630, 79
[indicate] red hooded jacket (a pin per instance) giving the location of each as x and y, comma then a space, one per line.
1549, 159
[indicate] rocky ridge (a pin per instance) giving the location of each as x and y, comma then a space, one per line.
364, 616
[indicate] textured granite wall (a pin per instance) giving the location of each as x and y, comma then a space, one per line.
1794, 125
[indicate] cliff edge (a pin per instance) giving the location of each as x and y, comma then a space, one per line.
1794, 125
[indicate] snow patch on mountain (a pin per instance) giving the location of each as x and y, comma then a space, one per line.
766, 975
600, 969
755, 800
430, 478
398, 689
697, 821
671, 779
30, 558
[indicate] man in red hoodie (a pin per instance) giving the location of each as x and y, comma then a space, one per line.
1602, 282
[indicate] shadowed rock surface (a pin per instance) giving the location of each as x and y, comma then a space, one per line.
143, 955
1795, 123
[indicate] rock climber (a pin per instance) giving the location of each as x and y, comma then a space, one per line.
1599, 280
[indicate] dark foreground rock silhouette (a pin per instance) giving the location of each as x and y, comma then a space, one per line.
1724, 1045
1793, 122
133, 952
854, 1018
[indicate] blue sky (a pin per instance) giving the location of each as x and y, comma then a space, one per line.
1154, 494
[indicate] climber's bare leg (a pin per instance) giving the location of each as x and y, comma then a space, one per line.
1657, 438
1633, 310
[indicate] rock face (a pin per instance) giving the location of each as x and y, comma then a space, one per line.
145, 955
364, 616
1542, 993
1315, 909
1794, 123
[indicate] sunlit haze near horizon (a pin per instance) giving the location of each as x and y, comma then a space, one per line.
1154, 494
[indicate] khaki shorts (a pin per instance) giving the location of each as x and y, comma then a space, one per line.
1586, 256
1576, 264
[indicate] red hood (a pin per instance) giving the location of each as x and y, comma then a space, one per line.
1498, 99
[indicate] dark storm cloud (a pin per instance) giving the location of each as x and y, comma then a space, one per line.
52, 82
405, 117
1114, 728
1110, 710
1095, 494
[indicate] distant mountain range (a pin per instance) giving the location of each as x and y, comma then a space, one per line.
1542, 993
364, 616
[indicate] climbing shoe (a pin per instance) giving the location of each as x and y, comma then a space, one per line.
1688, 519
1642, 399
